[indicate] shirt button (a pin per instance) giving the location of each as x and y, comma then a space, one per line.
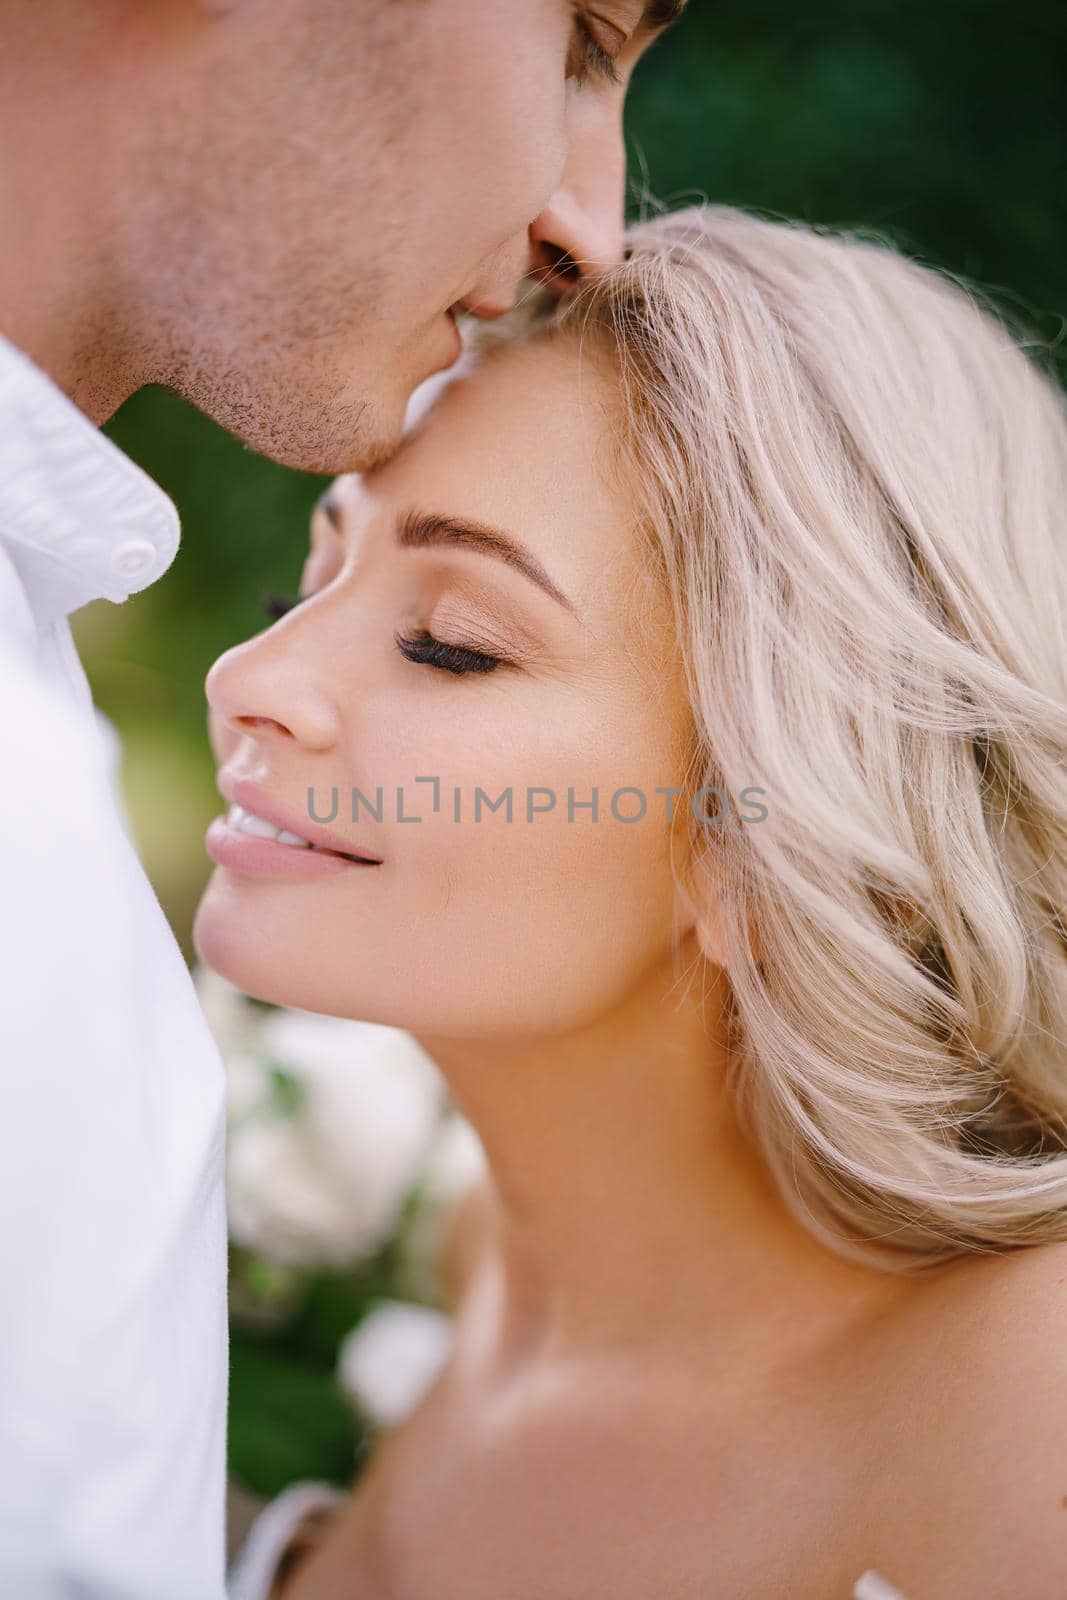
133, 556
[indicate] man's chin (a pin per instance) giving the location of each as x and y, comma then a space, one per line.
288, 422
350, 440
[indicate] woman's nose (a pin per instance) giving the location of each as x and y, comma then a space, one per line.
252, 690
581, 228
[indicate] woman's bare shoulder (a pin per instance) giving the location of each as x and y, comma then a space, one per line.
987, 1426
1006, 1312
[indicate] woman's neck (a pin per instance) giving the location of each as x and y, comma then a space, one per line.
631, 1213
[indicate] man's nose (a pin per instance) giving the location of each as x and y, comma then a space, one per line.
580, 229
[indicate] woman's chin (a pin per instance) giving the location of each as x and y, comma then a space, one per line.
265, 961
229, 946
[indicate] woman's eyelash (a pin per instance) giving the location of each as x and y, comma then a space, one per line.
593, 57
423, 648
420, 646
276, 605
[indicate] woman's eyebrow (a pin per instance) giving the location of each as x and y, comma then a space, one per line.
417, 530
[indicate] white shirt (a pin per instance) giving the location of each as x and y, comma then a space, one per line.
113, 1342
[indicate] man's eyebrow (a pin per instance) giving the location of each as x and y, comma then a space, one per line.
418, 530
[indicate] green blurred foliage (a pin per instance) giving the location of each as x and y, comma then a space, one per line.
941, 124
288, 1416
288, 1421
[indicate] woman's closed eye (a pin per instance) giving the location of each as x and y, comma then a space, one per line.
423, 648
419, 646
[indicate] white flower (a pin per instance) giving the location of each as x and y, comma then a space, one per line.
234, 1022
230, 1014
284, 1204
327, 1184
389, 1363
456, 1163
248, 1087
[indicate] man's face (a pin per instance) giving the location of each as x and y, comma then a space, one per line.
324, 182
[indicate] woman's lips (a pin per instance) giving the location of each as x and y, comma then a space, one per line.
242, 840
268, 858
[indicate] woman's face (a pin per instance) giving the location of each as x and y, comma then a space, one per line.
468, 925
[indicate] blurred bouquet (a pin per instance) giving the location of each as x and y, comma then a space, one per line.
347, 1164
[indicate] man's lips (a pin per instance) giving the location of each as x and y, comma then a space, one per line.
483, 310
243, 792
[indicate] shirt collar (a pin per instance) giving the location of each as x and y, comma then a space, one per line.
80, 520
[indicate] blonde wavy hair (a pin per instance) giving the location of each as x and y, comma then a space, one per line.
853, 482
